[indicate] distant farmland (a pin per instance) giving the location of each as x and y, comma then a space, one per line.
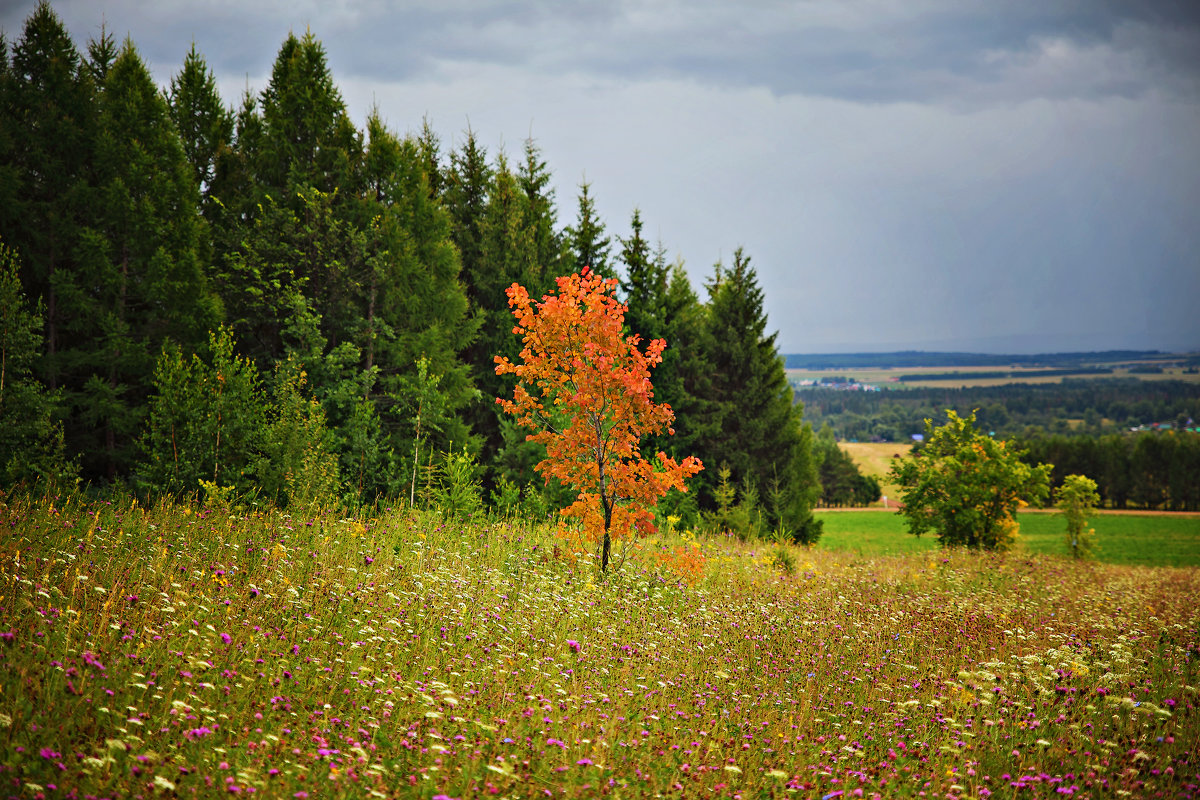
875, 458
956, 370
961, 377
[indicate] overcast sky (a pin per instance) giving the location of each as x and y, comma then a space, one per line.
1016, 176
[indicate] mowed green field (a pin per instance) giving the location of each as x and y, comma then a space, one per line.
1160, 540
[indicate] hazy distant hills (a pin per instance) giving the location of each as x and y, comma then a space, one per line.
917, 358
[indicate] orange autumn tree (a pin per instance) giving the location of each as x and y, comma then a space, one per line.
584, 388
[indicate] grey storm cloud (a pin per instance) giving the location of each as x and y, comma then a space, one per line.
864, 50
881, 51
1016, 175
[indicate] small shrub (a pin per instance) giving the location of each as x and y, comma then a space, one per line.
506, 497
454, 486
1076, 499
783, 560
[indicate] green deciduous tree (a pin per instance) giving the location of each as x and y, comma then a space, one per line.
298, 465
213, 423
965, 486
428, 407
1076, 499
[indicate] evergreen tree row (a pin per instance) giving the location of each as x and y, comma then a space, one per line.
268, 300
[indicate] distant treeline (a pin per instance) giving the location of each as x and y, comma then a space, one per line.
1080, 426
1079, 407
1044, 373
906, 359
842, 482
1145, 470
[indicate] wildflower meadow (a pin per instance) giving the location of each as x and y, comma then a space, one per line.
175, 651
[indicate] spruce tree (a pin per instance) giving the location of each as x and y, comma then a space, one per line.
205, 125
293, 294
139, 276
756, 427
9, 176
508, 254
106, 221
549, 258
662, 305
237, 195
643, 283
684, 379
307, 138
48, 124
429, 150
653, 313
421, 316
586, 239
466, 198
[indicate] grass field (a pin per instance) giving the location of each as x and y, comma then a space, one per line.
181, 652
1150, 540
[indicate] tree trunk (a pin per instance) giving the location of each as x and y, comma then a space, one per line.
371, 326
51, 324
607, 539
604, 501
